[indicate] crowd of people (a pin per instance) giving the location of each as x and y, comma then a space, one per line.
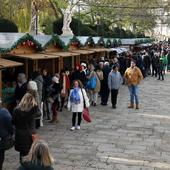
43, 96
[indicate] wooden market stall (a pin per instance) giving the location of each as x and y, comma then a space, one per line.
7, 89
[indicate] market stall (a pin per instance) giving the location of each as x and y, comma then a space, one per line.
7, 88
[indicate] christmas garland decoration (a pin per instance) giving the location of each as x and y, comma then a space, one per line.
90, 42
144, 40
27, 39
101, 42
108, 43
115, 43
56, 41
75, 42
119, 42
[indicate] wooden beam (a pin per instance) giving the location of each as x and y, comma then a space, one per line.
0, 82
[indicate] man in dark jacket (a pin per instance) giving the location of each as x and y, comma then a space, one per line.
21, 87
6, 129
47, 81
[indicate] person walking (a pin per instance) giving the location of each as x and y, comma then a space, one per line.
47, 80
23, 119
94, 92
114, 82
55, 95
75, 104
161, 70
104, 91
6, 130
21, 87
39, 157
133, 76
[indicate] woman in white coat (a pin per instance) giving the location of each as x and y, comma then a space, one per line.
76, 100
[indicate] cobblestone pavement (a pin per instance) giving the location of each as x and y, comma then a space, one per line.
120, 139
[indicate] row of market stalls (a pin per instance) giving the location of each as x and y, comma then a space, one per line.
20, 52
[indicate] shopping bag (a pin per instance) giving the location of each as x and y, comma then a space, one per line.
86, 115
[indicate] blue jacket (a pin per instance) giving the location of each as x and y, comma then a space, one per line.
5, 123
114, 80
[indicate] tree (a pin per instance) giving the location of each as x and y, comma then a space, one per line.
7, 26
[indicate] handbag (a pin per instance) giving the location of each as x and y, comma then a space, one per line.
92, 83
7, 143
85, 113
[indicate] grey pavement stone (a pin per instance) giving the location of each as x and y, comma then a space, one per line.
120, 139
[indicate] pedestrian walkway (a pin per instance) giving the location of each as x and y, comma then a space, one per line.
120, 139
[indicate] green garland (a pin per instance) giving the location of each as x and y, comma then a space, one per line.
119, 42
56, 40
90, 41
144, 40
101, 42
75, 40
25, 38
115, 43
108, 43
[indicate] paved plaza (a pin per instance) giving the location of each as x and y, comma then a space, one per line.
120, 139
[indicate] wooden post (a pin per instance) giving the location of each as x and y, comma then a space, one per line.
36, 65
0, 82
73, 61
60, 64
26, 67
53, 65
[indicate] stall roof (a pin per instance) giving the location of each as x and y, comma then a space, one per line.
37, 56
66, 39
43, 39
8, 63
82, 51
83, 39
64, 54
9, 41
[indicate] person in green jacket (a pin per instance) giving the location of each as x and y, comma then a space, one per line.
39, 157
164, 59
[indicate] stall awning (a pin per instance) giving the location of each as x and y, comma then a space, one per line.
83, 51
39, 56
98, 49
8, 63
64, 54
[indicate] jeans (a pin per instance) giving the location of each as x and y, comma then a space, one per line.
134, 90
114, 93
2, 156
74, 119
94, 96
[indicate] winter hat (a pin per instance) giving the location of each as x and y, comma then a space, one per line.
55, 79
32, 85
84, 64
106, 63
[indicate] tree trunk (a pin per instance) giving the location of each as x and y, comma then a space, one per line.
56, 9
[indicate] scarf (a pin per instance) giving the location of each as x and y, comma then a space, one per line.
75, 97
